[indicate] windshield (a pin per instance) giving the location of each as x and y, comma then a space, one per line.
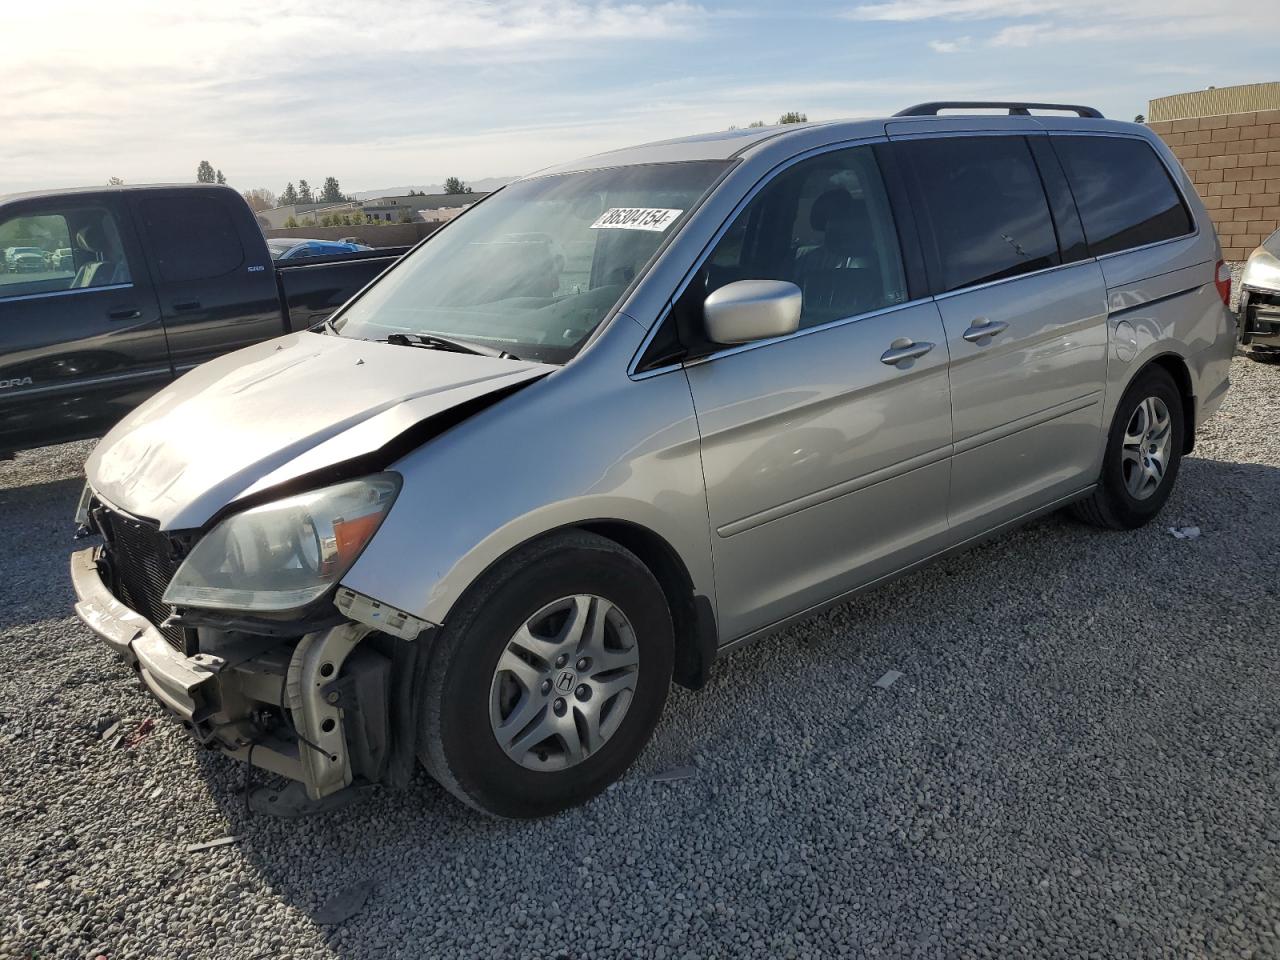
535, 268
1272, 244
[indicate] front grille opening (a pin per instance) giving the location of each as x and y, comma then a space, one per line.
143, 562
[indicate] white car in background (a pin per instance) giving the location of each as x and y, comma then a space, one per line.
1259, 308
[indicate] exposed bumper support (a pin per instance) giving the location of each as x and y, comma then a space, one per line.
316, 661
218, 698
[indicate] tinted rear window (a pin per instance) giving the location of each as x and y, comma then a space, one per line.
194, 237
1124, 193
985, 205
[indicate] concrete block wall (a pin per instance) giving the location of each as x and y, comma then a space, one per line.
1234, 161
386, 235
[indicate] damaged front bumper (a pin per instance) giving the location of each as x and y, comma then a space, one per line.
1259, 318
326, 708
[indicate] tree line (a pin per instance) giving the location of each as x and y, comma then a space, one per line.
260, 198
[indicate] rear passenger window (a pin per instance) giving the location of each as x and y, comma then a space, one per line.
985, 208
824, 225
194, 237
1124, 193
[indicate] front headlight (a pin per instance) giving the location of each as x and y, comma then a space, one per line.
1262, 271
283, 555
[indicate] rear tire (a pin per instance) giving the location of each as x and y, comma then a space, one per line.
1129, 494
572, 712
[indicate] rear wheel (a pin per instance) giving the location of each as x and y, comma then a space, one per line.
1144, 452
548, 679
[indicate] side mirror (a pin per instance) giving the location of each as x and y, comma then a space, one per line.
750, 310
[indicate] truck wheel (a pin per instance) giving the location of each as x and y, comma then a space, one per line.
1144, 451
548, 678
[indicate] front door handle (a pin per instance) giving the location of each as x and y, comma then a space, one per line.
124, 313
903, 349
983, 328
187, 305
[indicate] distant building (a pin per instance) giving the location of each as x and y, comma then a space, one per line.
1215, 102
441, 214
434, 208
278, 216
413, 206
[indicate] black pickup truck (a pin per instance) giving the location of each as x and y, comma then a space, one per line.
107, 294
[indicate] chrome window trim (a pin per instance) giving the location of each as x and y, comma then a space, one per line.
1195, 235
961, 291
767, 178
65, 293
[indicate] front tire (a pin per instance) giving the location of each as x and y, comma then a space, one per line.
1144, 452
548, 677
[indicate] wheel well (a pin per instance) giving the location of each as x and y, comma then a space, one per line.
692, 617
1176, 367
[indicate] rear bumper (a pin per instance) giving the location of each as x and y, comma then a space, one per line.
185, 685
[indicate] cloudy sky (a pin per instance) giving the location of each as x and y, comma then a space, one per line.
390, 92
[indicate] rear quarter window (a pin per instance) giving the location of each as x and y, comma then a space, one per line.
1123, 191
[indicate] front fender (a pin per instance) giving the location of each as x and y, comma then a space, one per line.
585, 445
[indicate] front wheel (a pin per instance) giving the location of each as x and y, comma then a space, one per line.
548, 678
1144, 452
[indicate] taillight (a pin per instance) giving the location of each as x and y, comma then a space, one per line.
1222, 280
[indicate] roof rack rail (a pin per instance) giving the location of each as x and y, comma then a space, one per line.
1015, 108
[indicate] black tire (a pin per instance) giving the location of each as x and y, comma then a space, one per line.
457, 744
1111, 505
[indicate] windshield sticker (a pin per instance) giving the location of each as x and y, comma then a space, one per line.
636, 218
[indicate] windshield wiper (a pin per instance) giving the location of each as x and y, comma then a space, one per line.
434, 342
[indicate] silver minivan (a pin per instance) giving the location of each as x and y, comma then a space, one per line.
636, 410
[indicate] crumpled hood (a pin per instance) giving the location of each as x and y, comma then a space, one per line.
277, 410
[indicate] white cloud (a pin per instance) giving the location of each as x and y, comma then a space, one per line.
1060, 21
146, 91
1028, 34
951, 46
912, 10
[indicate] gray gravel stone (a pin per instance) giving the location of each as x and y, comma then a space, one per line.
1085, 763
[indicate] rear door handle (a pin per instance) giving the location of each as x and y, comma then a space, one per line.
983, 328
187, 305
124, 313
903, 349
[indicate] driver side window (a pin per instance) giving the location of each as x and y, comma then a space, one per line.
824, 225
52, 251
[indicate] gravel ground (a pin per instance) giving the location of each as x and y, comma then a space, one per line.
1080, 759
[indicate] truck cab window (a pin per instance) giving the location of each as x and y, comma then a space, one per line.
50, 252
